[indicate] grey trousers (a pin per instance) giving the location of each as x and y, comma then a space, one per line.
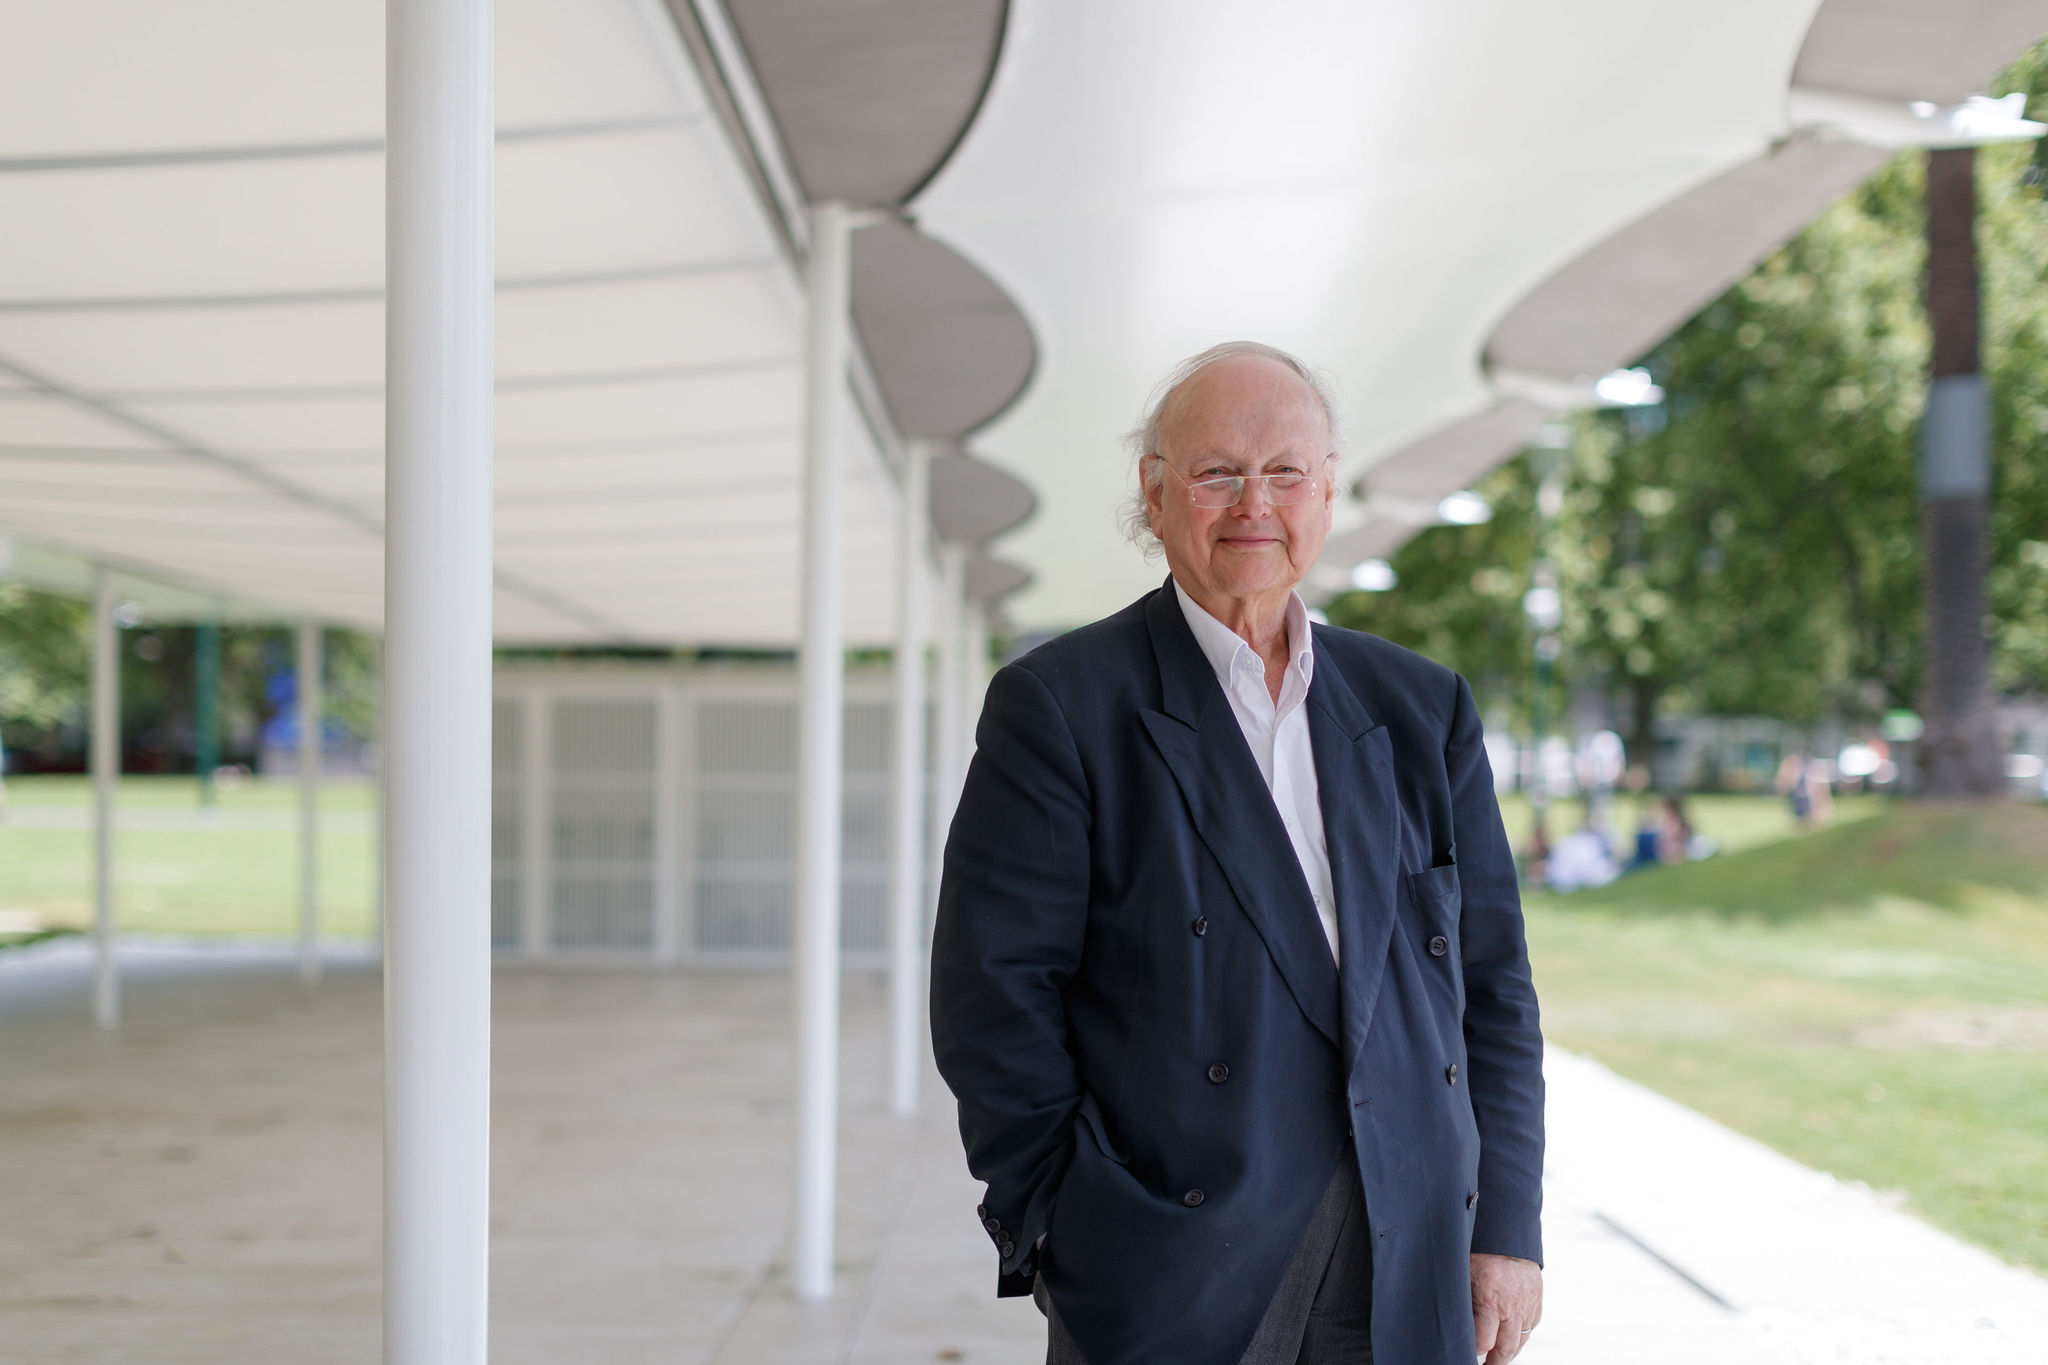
1322, 1312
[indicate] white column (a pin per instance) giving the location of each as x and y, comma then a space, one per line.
106, 770
946, 758
311, 707
973, 678
907, 787
821, 665
437, 612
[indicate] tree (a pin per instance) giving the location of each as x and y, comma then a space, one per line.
45, 661
1960, 755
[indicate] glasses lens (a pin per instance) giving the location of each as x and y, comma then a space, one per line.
1225, 492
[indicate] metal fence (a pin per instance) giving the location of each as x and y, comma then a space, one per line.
651, 814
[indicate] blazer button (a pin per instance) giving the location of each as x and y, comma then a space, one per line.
1200, 926
1193, 1199
1451, 1073
1472, 1200
991, 1225
1218, 1072
1007, 1250
1439, 945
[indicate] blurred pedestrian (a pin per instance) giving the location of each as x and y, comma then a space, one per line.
1803, 782
1583, 858
1677, 840
1649, 838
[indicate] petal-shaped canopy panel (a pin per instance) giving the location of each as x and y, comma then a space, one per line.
973, 501
991, 580
949, 348
869, 96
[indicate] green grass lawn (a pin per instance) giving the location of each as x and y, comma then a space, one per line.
238, 875
1871, 999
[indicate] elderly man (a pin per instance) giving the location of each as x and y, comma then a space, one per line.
1229, 974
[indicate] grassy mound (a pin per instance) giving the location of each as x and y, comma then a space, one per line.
1936, 853
1871, 999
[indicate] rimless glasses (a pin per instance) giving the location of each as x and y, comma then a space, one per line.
1226, 490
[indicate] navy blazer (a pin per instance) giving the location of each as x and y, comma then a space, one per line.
1157, 1061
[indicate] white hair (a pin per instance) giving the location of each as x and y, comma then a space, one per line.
1144, 439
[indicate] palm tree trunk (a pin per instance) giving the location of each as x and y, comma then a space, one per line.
1960, 753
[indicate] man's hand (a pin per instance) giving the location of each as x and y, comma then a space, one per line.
1507, 1303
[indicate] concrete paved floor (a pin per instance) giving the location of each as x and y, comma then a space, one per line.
203, 1186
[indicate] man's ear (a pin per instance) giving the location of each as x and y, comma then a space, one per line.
1154, 490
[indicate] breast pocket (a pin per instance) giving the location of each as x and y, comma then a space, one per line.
1438, 883
1434, 902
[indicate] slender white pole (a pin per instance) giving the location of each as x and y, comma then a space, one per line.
946, 761
106, 769
821, 665
907, 789
973, 679
437, 706
312, 706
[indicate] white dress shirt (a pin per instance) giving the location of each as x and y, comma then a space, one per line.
1277, 735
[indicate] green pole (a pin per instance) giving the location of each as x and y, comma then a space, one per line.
206, 706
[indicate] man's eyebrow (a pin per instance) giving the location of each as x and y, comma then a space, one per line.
1284, 457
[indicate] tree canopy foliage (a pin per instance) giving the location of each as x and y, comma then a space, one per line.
45, 681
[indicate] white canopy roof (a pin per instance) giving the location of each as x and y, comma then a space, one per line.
1374, 187
190, 286
191, 341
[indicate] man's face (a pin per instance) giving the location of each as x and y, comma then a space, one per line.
1245, 415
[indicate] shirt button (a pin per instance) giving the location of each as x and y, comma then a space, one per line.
1200, 926
1219, 1073
1451, 1073
1193, 1199
1439, 945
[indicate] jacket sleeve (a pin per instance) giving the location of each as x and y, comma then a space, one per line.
1012, 915
1503, 1043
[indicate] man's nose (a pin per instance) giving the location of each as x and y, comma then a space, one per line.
1255, 501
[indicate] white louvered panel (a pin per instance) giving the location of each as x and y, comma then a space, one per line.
744, 795
603, 773
864, 828
508, 812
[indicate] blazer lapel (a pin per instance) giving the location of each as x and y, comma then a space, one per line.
1361, 825
1198, 736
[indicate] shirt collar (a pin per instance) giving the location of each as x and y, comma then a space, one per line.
1224, 647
